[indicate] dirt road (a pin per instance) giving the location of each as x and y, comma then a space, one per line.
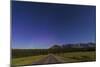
49, 59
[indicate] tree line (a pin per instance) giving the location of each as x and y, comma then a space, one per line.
16, 53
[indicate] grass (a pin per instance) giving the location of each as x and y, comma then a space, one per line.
78, 56
26, 60
68, 57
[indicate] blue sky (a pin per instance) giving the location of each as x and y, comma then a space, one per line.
41, 25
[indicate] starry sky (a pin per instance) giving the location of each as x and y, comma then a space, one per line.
41, 25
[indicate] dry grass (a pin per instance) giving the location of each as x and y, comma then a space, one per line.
78, 56
26, 60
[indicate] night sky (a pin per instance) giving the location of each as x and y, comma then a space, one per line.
41, 25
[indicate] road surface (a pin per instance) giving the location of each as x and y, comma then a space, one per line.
49, 59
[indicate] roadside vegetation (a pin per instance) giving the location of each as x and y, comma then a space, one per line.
26, 60
78, 56
67, 52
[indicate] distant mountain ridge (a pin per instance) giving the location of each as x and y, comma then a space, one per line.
80, 45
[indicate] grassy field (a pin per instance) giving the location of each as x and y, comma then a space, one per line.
78, 56
26, 60
68, 57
